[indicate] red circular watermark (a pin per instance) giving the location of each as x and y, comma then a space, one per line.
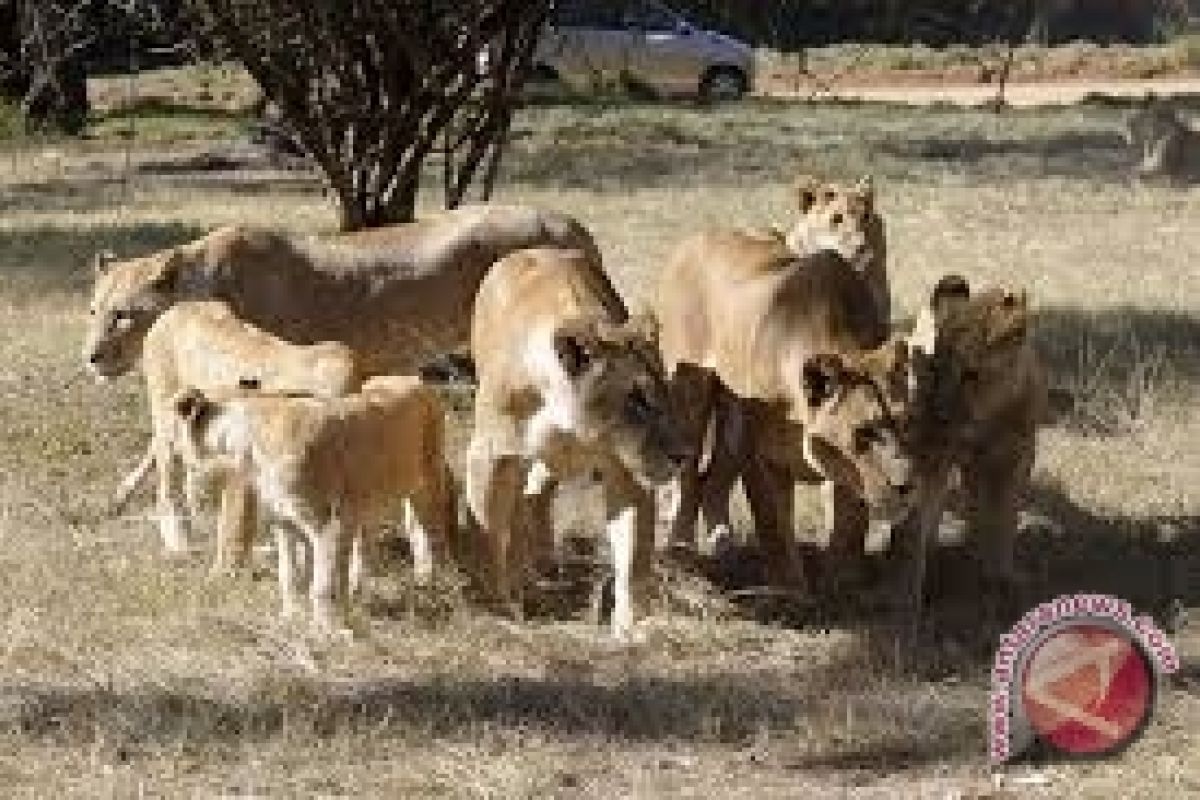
1088, 689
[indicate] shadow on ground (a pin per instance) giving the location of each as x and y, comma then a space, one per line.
724, 709
1154, 563
1082, 155
1104, 365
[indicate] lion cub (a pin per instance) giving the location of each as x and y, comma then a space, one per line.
203, 345
325, 468
991, 396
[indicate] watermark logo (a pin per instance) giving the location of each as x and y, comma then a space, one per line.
1080, 675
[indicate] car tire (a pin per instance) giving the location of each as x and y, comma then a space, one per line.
723, 83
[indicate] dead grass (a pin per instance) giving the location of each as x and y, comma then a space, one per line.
126, 674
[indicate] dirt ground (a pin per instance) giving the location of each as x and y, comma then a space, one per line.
1018, 95
126, 674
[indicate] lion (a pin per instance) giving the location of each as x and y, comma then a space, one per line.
566, 389
1164, 144
397, 295
990, 398
324, 469
795, 345
202, 345
844, 219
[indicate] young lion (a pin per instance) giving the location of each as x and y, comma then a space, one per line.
844, 219
991, 395
1165, 145
565, 391
203, 345
325, 468
793, 348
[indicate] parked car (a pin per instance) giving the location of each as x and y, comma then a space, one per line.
643, 43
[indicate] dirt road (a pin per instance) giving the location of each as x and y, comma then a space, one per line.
1021, 95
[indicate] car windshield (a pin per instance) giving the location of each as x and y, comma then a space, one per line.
588, 14
650, 17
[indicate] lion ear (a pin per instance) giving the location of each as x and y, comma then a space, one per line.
1014, 323
191, 405
950, 290
166, 281
644, 325
575, 347
865, 188
102, 260
806, 192
823, 377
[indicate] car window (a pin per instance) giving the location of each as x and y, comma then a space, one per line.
588, 14
650, 17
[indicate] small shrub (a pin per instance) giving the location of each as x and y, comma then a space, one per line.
1186, 50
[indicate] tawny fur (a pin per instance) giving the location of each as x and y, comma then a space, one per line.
567, 389
397, 295
202, 345
745, 322
844, 219
327, 469
991, 399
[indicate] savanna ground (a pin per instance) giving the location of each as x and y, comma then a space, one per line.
123, 673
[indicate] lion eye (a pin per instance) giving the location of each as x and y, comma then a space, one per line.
637, 405
122, 320
866, 436
837, 218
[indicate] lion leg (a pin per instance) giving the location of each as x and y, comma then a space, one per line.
629, 510
289, 550
993, 493
845, 529
730, 447
538, 521
910, 542
769, 490
361, 558
132, 481
692, 396
493, 492
237, 523
173, 524
329, 591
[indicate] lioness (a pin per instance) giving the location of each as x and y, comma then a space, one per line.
844, 219
790, 340
325, 468
201, 344
1164, 144
991, 396
566, 388
397, 295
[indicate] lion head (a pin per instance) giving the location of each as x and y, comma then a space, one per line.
838, 218
127, 298
980, 347
855, 431
618, 395
1155, 134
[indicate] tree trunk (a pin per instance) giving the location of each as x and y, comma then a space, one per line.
370, 89
1040, 12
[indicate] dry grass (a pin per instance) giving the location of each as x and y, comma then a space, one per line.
124, 673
